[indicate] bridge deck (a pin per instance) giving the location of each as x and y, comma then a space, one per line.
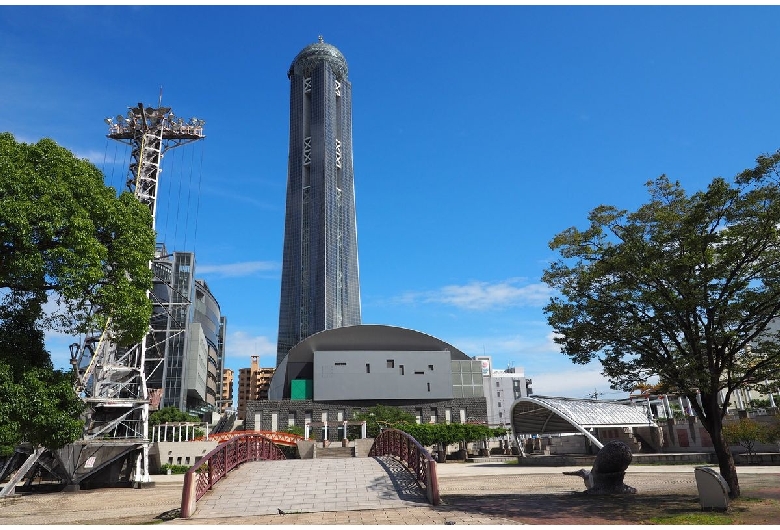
298, 486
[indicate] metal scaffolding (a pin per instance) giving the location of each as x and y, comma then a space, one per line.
114, 381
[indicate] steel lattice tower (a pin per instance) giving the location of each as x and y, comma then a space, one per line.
111, 380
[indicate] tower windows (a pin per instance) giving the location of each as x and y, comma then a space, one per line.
338, 87
307, 151
338, 154
307, 85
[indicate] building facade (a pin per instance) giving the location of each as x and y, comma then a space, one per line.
501, 389
253, 385
227, 390
320, 286
185, 357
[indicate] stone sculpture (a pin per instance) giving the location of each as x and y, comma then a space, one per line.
608, 470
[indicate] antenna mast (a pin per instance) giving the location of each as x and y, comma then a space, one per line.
113, 382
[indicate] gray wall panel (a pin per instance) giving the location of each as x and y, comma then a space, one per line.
342, 375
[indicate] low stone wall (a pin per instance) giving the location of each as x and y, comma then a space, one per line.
177, 453
760, 459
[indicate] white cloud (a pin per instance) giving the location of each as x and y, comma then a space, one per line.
242, 345
481, 296
235, 270
574, 382
95, 157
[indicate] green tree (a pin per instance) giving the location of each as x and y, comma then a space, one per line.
40, 408
747, 433
64, 235
381, 416
443, 434
171, 415
683, 289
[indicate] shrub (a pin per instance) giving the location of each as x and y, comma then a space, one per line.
176, 469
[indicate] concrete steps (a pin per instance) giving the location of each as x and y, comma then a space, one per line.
335, 452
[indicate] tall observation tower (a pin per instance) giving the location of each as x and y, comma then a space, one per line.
320, 284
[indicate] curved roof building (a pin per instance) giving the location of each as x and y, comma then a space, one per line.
544, 415
376, 362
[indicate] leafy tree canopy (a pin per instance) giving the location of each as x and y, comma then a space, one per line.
171, 415
40, 408
684, 288
747, 433
449, 433
380, 416
65, 235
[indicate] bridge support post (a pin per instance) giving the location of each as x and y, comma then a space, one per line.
188, 496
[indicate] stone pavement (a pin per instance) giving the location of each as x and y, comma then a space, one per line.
480, 493
327, 485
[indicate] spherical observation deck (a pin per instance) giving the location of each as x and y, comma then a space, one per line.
315, 53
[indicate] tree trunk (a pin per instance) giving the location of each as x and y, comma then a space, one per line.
714, 425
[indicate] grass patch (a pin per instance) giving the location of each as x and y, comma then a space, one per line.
694, 518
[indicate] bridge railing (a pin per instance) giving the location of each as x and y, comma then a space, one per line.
214, 466
414, 456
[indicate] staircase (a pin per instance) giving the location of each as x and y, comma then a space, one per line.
334, 452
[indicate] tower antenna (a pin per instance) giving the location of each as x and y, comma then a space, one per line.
117, 383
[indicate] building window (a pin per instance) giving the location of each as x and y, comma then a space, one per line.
419, 373
499, 404
390, 363
500, 414
498, 393
498, 384
429, 387
401, 366
340, 364
368, 368
430, 367
291, 419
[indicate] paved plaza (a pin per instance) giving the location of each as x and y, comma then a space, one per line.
479, 493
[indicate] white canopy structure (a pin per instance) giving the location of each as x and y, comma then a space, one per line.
548, 415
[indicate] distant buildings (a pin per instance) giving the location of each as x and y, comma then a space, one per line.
253, 384
227, 390
320, 284
186, 353
502, 388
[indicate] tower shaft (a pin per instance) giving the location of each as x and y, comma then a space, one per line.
320, 281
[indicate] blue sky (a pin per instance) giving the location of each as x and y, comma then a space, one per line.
479, 133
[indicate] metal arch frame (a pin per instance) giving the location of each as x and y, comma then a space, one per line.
552, 410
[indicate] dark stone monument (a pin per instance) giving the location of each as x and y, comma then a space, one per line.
608, 470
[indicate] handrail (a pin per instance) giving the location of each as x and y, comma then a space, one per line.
414, 456
215, 465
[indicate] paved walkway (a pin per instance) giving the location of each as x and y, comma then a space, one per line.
326, 485
480, 493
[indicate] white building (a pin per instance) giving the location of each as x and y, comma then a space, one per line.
501, 389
